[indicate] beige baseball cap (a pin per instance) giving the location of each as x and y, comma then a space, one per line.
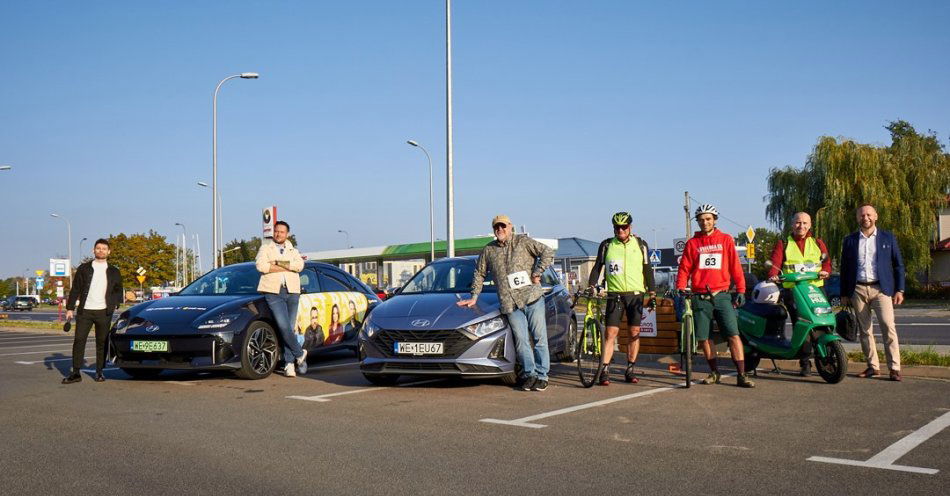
500, 218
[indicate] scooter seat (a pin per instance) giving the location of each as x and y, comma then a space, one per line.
771, 312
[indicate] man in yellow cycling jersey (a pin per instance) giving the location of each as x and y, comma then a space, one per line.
629, 286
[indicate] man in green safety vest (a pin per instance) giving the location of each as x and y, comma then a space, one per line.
629, 287
801, 252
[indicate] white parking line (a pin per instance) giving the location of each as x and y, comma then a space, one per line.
11, 337
526, 421
52, 342
32, 346
885, 459
324, 397
70, 350
34, 362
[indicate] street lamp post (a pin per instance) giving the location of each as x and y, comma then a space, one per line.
184, 253
5, 167
69, 245
80, 246
431, 221
450, 190
348, 244
214, 159
220, 226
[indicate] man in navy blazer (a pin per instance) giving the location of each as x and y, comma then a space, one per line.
872, 277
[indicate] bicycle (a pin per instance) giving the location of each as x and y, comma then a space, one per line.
687, 337
591, 339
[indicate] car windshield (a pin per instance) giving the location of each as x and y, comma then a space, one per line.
446, 277
230, 280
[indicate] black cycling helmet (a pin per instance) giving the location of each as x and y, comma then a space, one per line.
621, 219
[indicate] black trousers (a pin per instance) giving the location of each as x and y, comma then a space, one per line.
84, 322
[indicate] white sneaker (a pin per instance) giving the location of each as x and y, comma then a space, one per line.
302, 363
289, 370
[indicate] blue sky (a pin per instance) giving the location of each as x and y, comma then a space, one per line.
564, 112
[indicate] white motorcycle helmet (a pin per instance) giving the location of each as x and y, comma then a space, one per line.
766, 292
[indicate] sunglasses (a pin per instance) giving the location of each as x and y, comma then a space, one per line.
499, 226
622, 228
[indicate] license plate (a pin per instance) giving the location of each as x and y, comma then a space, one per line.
150, 346
404, 348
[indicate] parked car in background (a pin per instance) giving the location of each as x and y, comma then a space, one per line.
21, 303
833, 289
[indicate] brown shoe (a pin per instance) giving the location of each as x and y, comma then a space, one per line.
896, 375
868, 373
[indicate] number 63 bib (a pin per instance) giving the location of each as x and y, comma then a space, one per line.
710, 261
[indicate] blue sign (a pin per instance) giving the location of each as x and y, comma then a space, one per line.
39, 283
655, 256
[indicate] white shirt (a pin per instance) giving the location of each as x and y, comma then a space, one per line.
867, 252
96, 299
283, 276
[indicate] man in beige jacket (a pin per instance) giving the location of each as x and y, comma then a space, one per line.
280, 265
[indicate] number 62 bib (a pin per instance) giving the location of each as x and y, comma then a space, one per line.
519, 280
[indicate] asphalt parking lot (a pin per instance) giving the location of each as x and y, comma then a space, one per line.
332, 432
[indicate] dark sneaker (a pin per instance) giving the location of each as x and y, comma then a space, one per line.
603, 377
896, 375
713, 378
806, 369
72, 378
100, 378
743, 380
540, 385
869, 373
630, 376
528, 383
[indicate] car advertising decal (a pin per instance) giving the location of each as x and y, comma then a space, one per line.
324, 319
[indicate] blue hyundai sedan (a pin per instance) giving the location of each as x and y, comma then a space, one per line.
421, 330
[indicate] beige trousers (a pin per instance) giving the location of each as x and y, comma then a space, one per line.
864, 300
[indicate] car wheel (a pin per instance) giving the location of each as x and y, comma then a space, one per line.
259, 351
142, 373
835, 301
382, 380
570, 343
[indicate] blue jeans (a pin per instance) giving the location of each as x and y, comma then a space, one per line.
532, 353
284, 307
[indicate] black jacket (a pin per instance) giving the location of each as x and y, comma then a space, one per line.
83, 279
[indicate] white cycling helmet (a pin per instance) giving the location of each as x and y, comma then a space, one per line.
706, 208
766, 292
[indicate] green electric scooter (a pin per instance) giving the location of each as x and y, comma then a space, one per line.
762, 330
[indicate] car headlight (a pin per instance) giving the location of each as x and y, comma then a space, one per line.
222, 320
368, 329
121, 325
485, 327
823, 310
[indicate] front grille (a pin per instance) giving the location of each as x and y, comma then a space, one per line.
454, 342
417, 366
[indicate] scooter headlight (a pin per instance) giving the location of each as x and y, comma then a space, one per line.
823, 310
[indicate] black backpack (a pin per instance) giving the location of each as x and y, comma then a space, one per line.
847, 324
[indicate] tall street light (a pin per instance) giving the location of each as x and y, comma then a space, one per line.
5, 167
220, 227
214, 158
184, 253
431, 221
449, 190
80, 246
348, 245
69, 245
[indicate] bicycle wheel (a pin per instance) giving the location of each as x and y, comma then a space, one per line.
589, 350
687, 335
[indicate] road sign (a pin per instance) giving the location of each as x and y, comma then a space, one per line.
59, 292
58, 267
655, 256
750, 234
140, 271
679, 245
750, 251
39, 283
39, 273
141, 279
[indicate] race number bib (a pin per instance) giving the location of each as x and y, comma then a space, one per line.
710, 261
615, 267
805, 267
519, 280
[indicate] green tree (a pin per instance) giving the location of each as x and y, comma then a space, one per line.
907, 182
764, 241
150, 251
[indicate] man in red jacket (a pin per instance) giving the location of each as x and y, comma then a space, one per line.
711, 265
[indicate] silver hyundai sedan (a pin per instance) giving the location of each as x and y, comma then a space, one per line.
421, 330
